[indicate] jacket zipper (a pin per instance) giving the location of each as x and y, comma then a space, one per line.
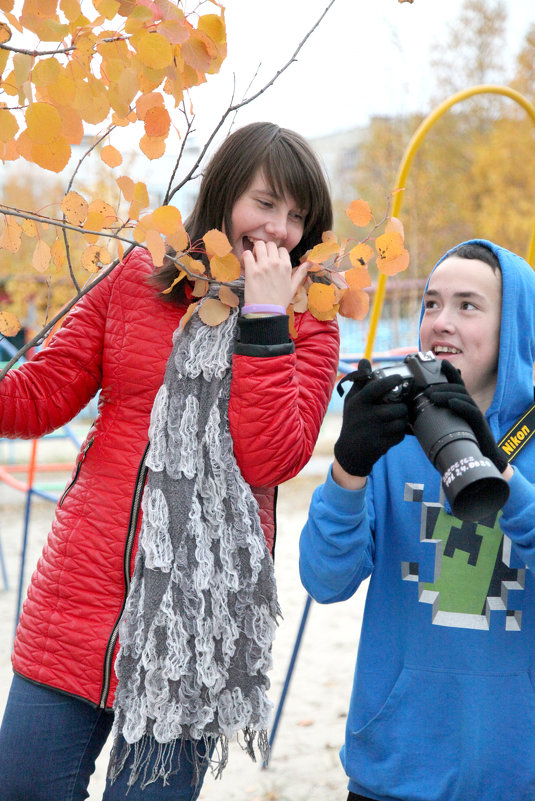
127, 556
81, 460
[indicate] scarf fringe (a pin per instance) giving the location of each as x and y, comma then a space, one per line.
209, 752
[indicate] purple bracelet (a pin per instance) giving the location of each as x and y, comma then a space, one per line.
262, 308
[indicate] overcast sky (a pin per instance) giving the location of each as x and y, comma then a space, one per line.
367, 57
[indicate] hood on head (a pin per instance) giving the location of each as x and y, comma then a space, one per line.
514, 387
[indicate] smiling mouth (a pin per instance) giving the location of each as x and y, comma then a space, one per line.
439, 350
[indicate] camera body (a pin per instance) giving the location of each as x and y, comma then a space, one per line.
417, 371
471, 482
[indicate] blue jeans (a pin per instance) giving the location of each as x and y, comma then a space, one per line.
49, 743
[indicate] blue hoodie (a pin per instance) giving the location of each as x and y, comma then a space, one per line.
443, 701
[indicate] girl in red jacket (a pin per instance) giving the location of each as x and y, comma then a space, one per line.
196, 428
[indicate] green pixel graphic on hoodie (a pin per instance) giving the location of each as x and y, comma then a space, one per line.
466, 573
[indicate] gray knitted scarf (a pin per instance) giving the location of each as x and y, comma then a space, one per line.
196, 632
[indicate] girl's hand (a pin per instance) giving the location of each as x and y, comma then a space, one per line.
269, 276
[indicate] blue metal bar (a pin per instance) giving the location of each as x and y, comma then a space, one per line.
289, 673
3, 567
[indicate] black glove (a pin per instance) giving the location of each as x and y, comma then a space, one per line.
456, 397
370, 426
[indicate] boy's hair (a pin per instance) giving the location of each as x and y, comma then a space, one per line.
289, 166
474, 250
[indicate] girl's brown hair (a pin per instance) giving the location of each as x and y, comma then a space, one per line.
289, 166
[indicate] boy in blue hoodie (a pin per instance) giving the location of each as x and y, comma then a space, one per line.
443, 702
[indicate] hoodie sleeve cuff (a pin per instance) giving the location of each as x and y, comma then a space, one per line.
264, 336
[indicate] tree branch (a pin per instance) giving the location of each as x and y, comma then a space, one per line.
40, 218
246, 101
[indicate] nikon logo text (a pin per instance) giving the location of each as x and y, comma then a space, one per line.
510, 445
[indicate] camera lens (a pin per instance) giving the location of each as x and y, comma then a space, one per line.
472, 484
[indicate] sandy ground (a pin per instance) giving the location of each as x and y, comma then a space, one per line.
304, 762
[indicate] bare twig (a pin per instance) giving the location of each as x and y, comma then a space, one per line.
246, 101
58, 51
189, 124
69, 187
40, 218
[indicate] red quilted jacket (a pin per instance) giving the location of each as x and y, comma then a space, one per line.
118, 338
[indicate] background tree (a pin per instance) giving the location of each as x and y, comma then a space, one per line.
115, 65
472, 175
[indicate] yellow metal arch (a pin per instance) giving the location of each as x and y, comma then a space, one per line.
403, 171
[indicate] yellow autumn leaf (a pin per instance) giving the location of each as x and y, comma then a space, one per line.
157, 122
11, 236
191, 265
175, 31
58, 252
111, 156
8, 125
225, 268
140, 200
212, 312
188, 315
321, 297
180, 277
354, 304
152, 148
94, 257
178, 241
360, 255
99, 206
47, 71
329, 236
200, 288
43, 123
330, 314
5, 33
9, 324
29, 228
156, 247
154, 50
108, 8
389, 246
358, 277
359, 213
53, 155
394, 224
323, 251
216, 243
227, 296
74, 207
167, 220
71, 125
148, 101
393, 266
126, 186
214, 26
291, 321
41, 257
92, 100
300, 300
94, 222
199, 51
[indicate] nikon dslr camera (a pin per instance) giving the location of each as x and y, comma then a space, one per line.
472, 484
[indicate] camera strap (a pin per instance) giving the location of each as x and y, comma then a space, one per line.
520, 433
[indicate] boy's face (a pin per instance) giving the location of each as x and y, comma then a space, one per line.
461, 322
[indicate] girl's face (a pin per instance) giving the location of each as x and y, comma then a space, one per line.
260, 214
461, 322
